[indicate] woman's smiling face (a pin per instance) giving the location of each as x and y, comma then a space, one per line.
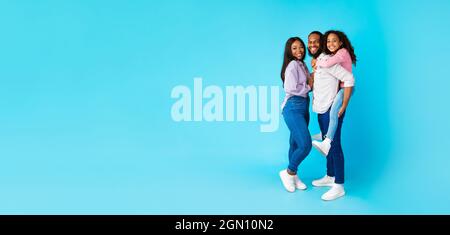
297, 50
333, 43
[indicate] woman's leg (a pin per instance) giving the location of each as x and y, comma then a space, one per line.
292, 146
296, 122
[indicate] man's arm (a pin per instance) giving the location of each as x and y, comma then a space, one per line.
311, 80
347, 94
342, 75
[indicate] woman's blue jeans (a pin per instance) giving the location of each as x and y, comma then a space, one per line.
296, 116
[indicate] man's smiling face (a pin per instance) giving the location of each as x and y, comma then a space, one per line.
313, 44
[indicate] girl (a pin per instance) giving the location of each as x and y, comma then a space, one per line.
295, 108
338, 45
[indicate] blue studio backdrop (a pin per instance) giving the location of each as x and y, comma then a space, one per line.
88, 88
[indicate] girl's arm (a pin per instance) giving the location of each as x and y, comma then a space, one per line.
337, 58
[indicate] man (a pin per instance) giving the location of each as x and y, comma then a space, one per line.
314, 41
325, 84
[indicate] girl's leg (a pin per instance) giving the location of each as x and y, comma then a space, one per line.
324, 146
337, 104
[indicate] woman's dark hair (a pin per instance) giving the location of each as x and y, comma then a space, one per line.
345, 43
288, 57
319, 51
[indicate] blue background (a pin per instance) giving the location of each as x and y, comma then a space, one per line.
85, 107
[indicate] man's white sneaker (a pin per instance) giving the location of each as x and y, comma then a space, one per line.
317, 136
324, 181
336, 191
323, 147
299, 184
288, 181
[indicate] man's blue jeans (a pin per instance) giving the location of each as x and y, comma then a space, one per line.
296, 116
335, 158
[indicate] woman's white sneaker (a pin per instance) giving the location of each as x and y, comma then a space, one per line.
299, 184
324, 181
336, 191
288, 181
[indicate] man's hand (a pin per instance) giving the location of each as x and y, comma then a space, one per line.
311, 81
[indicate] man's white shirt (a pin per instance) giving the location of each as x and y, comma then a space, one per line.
326, 83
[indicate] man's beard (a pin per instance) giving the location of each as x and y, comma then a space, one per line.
315, 55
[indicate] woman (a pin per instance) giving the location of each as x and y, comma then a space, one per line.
295, 109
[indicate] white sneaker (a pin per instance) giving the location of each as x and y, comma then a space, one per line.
336, 191
317, 136
324, 181
299, 184
323, 147
288, 181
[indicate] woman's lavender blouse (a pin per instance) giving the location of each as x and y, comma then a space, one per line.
295, 81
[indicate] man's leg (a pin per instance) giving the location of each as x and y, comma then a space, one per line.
337, 154
337, 189
324, 120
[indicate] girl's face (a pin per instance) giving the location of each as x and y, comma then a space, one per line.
297, 50
333, 42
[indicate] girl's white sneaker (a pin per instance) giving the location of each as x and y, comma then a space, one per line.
323, 147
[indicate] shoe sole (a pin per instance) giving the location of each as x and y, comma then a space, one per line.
323, 185
319, 149
338, 196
